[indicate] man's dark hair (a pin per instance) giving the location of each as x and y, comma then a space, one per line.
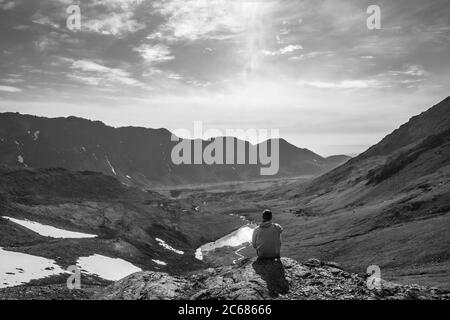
267, 215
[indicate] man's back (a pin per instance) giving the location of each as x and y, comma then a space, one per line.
267, 240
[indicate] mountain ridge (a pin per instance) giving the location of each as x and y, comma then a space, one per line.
135, 155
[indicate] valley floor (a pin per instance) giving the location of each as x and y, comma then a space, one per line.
406, 252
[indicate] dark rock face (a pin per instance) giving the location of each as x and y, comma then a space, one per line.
255, 279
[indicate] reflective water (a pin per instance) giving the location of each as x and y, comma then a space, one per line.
237, 238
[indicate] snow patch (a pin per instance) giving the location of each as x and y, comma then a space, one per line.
36, 135
107, 268
49, 231
20, 159
163, 244
17, 268
199, 254
112, 168
162, 263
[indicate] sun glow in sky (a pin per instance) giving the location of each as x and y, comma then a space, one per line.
309, 68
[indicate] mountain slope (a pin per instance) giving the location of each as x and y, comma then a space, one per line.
389, 206
413, 151
431, 122
135, 156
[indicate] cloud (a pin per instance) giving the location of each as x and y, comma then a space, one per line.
21, 27
7, 5
346, 70
123, 5
345, 84
412, 76
40, 18
10, 89
162, 78
282, 51
93, 81
12, 80
45, 43
90, 66
93, 73
204, 19
109, 17
311, 55
113, 24
414, 70
112, 17
174, 76
154, 53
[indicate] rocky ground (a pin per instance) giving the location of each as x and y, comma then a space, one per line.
55, 288
252, 279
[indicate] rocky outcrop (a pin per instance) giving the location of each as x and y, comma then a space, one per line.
255, 279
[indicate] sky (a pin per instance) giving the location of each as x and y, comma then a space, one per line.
312, 69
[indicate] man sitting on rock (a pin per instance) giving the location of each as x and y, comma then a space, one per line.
267, 238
